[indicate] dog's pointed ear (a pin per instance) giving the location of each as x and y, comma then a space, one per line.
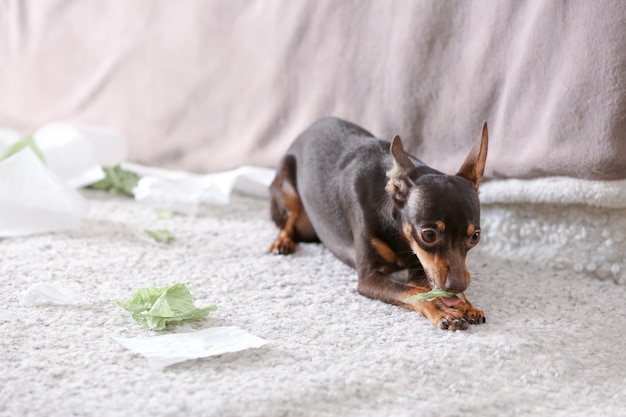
474, 165
398, 180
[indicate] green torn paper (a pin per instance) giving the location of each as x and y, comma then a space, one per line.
28, 141
432, 294
155, 308
161, 235
164, 214
117, 181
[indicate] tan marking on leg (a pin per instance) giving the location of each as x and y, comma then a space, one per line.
383, 250
284, 243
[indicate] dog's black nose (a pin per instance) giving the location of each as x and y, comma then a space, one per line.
455, 283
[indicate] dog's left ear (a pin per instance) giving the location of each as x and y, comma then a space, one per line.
474, 165
398, 180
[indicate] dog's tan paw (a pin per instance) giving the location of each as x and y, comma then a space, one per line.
283, 246
472, 314
451, 319
475, 316
440, 315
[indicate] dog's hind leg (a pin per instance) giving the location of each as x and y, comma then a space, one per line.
287, 210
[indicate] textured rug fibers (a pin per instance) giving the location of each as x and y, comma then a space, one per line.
553, 344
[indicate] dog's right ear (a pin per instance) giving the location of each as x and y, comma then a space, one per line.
474, 165
398, 180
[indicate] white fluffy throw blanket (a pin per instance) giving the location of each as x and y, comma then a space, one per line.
563, 222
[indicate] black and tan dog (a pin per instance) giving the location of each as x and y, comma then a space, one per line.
383, 212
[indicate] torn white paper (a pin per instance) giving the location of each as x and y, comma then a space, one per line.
77, 152
166, 350
33, 199
40, 198
178, 195
44, 292
182, 192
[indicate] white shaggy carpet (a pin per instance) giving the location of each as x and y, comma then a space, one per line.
553, 344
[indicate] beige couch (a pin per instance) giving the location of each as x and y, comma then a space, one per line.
210, 85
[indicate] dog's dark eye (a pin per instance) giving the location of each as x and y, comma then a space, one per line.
429, 235
475, 237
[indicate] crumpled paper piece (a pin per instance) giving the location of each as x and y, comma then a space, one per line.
46, 292
165, 350
157, 307
39, 198
182, 192
33, 199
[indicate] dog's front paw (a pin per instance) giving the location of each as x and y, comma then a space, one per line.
475, 316
450, 319
472, 314
283, 245
458, 317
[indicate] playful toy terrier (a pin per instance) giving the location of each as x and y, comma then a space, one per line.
405, 227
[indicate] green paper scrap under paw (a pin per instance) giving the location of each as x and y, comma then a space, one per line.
432, 294
161, 235
155, 308
117, 181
